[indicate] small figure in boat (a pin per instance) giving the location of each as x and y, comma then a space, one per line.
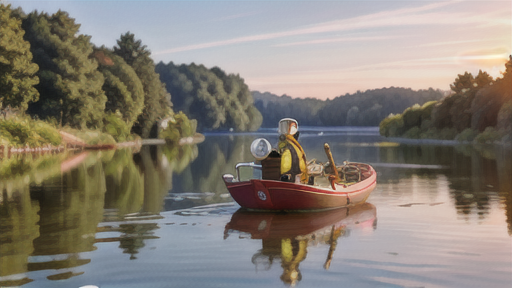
293, 158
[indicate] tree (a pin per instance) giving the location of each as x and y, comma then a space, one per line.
17, 71
70, 84
122, 86
487, 103
482, 79
463, 83
215, 99
157, 101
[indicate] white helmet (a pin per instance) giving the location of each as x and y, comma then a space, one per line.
288, 126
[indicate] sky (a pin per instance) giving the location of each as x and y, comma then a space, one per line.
318, 49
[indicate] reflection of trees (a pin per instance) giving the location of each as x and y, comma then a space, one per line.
66, 205
216, 156
157, 177
139, 183
132, 237
18, 228
504, 164
474, 172
125, 185
52, 204
71, 208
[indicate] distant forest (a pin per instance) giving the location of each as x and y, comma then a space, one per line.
367, 108
218, 101
479, 109
49, 71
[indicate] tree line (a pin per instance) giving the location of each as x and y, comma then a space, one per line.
49, 71
478, 108
218, 101
366, 108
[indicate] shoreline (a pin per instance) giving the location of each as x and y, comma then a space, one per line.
441, 142
72, 143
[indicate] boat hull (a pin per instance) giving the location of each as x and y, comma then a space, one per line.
278, 195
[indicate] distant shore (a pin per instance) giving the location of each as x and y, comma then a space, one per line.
440, 142
71, 142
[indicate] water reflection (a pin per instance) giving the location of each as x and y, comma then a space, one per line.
286, 237
52, 204
478, 175
132, 236
57, 210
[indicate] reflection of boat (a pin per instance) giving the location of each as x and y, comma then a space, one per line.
327, 188
285, 237
264, 225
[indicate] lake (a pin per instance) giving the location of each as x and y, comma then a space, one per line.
440, 216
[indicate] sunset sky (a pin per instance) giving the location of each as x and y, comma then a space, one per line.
319, 49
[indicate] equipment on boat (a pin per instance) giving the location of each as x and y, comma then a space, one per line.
328, 187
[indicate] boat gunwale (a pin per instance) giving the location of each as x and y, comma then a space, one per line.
322, 190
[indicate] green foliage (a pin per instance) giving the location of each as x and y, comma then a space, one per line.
392, 126
48, 132
463, 83
122, 86
447, 134
91, 137
70, 85
157, 101
489, 100
467, 135
23, 131
413, 133
490, 135
217, 100
372, 107
17, 71
179, 126
478, 105
505, 117
412, 117
114, 125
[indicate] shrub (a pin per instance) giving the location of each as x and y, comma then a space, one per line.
179, 126
22, 131
413, 133
447, 134
467, 134
114, 125
490, 135
392, 126
48, 133
412, 117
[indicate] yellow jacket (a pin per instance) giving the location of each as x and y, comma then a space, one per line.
293, 158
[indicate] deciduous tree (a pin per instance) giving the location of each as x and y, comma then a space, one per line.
17, 70
70, 84
157, 101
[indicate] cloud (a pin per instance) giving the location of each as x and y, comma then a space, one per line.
422, 15
336, 40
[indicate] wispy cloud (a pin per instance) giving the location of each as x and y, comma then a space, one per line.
422, 15
317, 76
451, 43
336, 40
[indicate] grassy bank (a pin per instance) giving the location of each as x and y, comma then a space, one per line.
22, 133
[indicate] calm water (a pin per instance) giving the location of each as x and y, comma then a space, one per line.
161, 217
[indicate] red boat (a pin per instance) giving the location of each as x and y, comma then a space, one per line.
347, 185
